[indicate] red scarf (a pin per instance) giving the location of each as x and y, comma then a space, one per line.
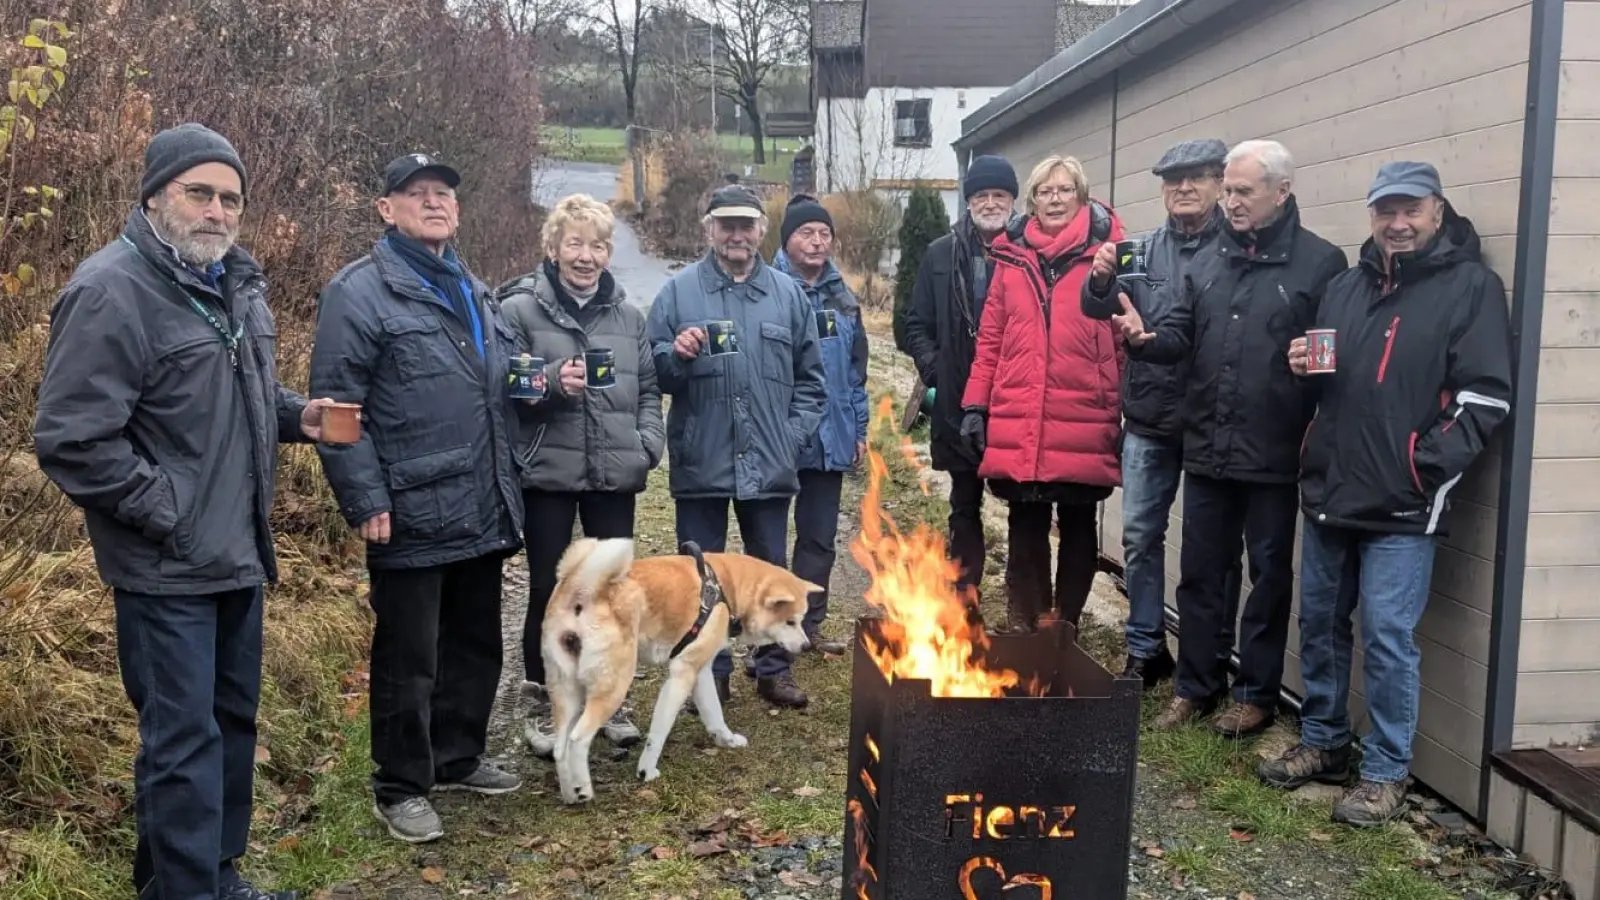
1073, 237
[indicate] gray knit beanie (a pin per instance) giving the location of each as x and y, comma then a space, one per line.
179, 149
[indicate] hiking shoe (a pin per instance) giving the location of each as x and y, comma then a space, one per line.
818, 643
1370, 804
620, 730
486, 779
1151, 671
1301, 765
538, 722
1242, 720
781, 691
1180, 712
411, 820
244, 890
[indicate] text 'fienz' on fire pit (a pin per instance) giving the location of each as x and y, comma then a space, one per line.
980, 766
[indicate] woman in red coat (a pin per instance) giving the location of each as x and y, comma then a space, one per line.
1042, 404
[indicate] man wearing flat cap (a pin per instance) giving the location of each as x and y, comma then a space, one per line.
941, 337
431, 485
1152, 397
736, 348
159, 414
1421, 380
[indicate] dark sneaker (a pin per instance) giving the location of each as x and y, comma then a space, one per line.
1301, 765
1370, 804
244, 890
538, 724
827, 646
411, 820
620, 730
1151, 671
1180, 712
1242, 720
486, 779
781, 691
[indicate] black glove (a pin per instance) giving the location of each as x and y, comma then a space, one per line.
974, 430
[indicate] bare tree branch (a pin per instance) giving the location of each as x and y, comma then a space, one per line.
753, 38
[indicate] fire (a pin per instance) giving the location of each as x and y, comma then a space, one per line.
929, 630
865, 875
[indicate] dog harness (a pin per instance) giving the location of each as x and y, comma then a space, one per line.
710, 595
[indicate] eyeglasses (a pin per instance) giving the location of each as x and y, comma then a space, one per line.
201, 194
1050, 193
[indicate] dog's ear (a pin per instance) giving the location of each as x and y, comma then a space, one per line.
773, 601
811, 588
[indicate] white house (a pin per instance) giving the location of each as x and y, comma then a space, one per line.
893, 80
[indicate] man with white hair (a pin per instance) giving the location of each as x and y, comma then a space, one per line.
1245, 414
736, 348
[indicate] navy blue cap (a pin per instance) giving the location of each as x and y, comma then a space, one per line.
1404, 179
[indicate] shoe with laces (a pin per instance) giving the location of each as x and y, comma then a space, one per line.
485, 779
619, 729
412, 820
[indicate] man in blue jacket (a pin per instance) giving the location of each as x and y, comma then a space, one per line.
736, 348
841, 442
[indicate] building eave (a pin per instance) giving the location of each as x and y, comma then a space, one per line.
1140, 29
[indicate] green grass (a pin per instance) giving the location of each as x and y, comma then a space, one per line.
606, 145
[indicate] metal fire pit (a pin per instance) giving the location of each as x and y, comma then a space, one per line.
965, 798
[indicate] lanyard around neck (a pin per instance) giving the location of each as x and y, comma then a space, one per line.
230, 339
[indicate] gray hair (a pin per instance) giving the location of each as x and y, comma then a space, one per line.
1273, 157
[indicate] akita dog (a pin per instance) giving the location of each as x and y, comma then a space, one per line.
611, 612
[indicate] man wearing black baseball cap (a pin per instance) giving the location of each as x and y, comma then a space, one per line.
431, 485
743, 405
1421, 381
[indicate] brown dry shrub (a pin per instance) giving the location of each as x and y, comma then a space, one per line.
317, 95
694, 167
864, 226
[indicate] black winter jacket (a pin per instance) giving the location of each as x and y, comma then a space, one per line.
437, 424
1152, 394
1240, 306
1423, 379
942, 335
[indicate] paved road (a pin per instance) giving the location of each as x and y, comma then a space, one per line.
641, 275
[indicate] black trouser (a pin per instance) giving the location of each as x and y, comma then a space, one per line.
816, 533
435, 670
764, 526
192, 668
1028, 586
549, 515
1219, 517
966, 527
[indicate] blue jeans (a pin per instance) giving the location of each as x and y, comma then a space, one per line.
192, 668
1387, 576
1151, 471
764, 526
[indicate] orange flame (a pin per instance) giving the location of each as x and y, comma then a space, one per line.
872, 748
864, 874
870, 785
926, 631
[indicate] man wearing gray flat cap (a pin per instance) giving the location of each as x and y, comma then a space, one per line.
1152, 447
1421, 380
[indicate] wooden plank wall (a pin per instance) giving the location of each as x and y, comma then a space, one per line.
1347, 85
1558, 680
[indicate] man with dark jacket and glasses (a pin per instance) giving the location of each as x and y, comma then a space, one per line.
160, 413
1421, 381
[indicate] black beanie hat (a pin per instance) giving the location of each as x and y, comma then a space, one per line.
802, 209
989, 173
179, 149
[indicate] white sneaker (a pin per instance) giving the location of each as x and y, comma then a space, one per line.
538, 726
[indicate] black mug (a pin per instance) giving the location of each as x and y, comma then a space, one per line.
1131, 260
827, 324
600, 367
721, 339
526, 378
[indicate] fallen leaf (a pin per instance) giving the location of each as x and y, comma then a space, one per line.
806, 791
1154, 852
702, 849
1184, 803
1246, 895
433, 875
664, 853
1240, 835
568, 874
287, 845
263, 755
798, 879
646, 795
1321, 837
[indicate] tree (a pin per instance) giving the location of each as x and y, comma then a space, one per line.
924, 221
753, 38
623, 30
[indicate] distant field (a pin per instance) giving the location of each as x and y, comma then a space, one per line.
605, 145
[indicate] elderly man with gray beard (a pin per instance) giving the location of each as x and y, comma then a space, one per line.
160, 413
942, 339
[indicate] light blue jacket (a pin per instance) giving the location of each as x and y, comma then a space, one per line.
844, 365
736, 423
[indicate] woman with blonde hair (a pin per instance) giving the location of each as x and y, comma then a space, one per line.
585, 448
1041, 406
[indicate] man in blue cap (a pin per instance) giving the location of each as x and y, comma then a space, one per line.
1421, 379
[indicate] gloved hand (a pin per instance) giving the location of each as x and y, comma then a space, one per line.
975, 430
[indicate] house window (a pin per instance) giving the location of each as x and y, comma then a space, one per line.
913, 126
961, 99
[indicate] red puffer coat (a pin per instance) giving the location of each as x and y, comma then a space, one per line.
1049, 375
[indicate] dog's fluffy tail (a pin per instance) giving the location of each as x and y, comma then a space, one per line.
591, 563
